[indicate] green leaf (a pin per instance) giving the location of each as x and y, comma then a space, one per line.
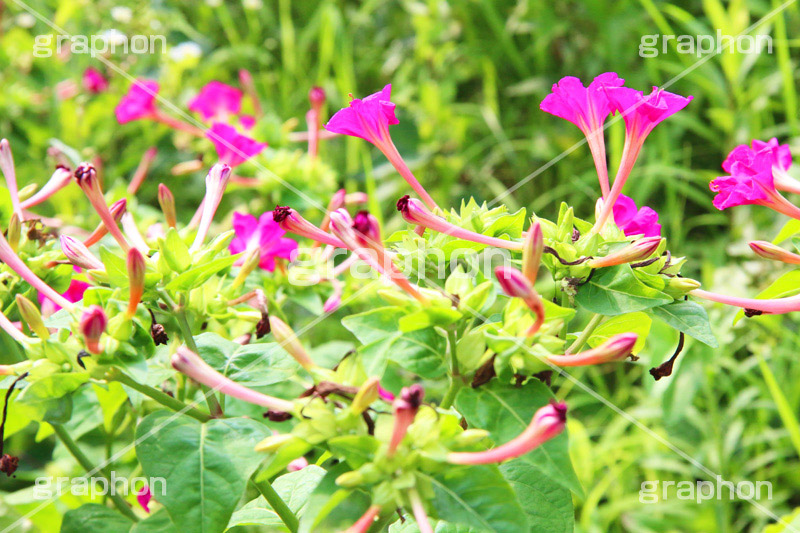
252, 365
547, 503
616, 291
95, 517
477, 496
505, 411
194, 277
175, 252
158, 522
791, 228
330, 507
205, 467
688, 317
638, 323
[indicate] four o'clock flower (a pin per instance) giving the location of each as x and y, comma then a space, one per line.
291, 221
635, 251
334, 301
93, 324
548, 422
616, 348
515, 284
217, 100
370, 119
767, 250
143, 498
641, 113
264, 234
167, 202
74, 293
7, 167
86, 176
94, 81
587, 108
532, 250
117, 209
232, 147
60, 179
405, 409
78, 254
189, 363
136, 269
139, 103
633, 221
216, 182
751, 185
769, 155
415, 212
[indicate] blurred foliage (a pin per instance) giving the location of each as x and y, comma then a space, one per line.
468, 76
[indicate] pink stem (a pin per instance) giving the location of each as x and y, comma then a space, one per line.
774, 306
390, 151
16, 264
629, 155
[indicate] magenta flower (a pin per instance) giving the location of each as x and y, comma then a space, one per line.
369, 119
587, 108
641, 113
760, 154
143, 497
247, 122
94, 81
139, 103
216, 100
74, 293
631, 221
233, 148
263, 233
751, 183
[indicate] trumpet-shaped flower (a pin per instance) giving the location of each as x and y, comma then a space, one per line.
217, 100
369, 119
291, 221
232, 147
635, 251
587, 108
616, 348
216, 182
139, 102
751, 183
633, 221
60, 179
263, 233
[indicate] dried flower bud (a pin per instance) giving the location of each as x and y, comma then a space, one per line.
405, 410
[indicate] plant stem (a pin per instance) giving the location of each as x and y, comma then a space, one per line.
585, 334
86, 464
456, 382
161, 397
278, 505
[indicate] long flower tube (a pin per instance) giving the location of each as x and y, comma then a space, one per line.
117, 209
60, 179
13, 332
187, 362
132, 232
616, 348
291, 221
16, 264
87, 179
635, 251
418, 508
141, 171
415, 212
287, 339
314, 119
775, 306
548, 422
7, 167
342, 226
216, 181
363, 524
405, 409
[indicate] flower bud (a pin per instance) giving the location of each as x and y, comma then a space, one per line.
532, 252
767, 250
167, 202
250, 262
14, 232
351, 479
635, 251
366, 521
273, 442
679, 287
317, 97
87, 179
297, 465
366, 395
515, 284
616, 348
136, 270
356, 198
368, 232
92, 325
334, 301
32, 317
336, 202
405, 410
548, 422
288, 341
216, 183
7, 167
470, 436
60, 179
78, 254
6, 370
291, 221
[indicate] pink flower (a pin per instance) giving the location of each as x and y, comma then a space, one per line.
369, 119
587, 108
217, 99
140, 102
143, 497
94, 81
631, 221
247, 121
761, 156
74, 293
297, 465
263, 233
743, 188
233, 148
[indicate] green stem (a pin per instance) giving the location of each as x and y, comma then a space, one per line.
161, 397
456, 381
86, 464
585, 334
278, 505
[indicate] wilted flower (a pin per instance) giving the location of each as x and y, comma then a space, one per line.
291, 221
265, 234
60, 179
78, 254
515, 284
86, 176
